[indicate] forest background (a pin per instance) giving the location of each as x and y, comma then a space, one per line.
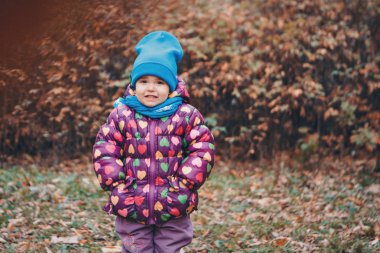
290, 90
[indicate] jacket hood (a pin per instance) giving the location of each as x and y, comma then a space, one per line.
180, 91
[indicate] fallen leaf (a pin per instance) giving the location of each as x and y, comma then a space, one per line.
66, 240
376, 228
356, 201
279, 242
375, 189
111, 249
264, 202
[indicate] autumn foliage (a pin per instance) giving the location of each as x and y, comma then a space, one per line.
267, 75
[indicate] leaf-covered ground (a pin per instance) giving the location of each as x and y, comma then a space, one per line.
243, 208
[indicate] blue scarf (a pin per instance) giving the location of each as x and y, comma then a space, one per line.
165, 109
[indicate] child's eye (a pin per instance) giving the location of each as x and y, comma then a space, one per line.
160, 82
143, 81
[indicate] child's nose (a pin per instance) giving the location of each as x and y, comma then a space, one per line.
151, 86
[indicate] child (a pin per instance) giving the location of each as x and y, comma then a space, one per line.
154, 152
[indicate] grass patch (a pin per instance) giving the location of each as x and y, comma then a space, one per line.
260, 211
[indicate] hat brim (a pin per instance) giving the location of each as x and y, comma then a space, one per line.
153, 69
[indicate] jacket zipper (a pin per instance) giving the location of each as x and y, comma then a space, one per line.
152, 174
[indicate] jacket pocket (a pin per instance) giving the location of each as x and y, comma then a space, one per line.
180, 203
122, 201
180, 200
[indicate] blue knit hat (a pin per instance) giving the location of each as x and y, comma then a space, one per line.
157, 54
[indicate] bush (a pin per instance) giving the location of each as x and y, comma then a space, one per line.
266, 74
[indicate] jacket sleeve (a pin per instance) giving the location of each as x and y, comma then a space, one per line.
108, 154
198, 151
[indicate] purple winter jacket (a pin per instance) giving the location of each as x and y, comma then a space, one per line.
153, 167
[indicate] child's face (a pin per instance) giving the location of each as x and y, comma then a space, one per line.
151, 90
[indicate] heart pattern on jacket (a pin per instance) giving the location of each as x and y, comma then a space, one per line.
160, 163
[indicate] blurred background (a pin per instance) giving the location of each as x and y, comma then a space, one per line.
268, 75
290, 83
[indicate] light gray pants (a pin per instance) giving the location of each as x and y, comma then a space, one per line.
169, 237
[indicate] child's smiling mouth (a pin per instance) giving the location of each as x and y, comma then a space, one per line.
150, 96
